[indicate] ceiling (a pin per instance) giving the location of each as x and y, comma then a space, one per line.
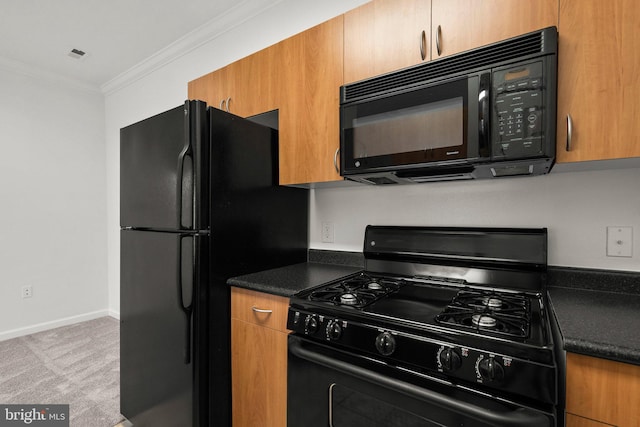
115, 34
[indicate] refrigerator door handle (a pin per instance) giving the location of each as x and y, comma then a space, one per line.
186, 152
186, 308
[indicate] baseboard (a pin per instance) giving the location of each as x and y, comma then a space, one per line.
114, 314
14, 333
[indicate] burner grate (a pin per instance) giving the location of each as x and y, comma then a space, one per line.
488, 312
356, 292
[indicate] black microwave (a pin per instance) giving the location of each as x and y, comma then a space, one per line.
484, 113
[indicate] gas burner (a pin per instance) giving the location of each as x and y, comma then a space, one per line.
348, 299
374, 285
483, 321
492, 303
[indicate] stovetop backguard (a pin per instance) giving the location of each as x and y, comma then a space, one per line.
496, 257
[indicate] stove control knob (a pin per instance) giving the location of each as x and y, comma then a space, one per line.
490, 369
334, 330
386, 344
450, 359
310, 325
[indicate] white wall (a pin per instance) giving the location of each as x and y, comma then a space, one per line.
53, 193
575, 207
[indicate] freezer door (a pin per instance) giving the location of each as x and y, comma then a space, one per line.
163, 316
164, 170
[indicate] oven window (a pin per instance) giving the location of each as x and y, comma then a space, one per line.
351, 408
419, 128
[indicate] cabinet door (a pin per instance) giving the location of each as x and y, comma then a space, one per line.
466, 24
259, 358
310, 72
603, 390
244, 88
259, 373
252, 90
211, 88
598, 84
385, 35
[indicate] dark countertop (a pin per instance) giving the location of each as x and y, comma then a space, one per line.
598, 310
286, 281
599, 323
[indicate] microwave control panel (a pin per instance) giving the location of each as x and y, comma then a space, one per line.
517, 116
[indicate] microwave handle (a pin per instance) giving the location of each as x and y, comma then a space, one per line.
484, 96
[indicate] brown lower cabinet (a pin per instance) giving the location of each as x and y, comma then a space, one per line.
602, 392
258, 359
576, 421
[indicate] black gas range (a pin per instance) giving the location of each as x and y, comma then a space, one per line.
457, 312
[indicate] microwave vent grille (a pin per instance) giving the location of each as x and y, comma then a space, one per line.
515, 48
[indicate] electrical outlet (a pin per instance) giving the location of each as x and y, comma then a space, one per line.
27, 292
620, 241
327, 232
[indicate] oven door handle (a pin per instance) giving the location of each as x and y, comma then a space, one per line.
518, 417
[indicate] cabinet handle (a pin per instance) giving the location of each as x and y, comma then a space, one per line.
260, 310
423, 45
439, 40
569, 131
228, 104
335, 160
222, 104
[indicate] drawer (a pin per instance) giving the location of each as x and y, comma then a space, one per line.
259, 308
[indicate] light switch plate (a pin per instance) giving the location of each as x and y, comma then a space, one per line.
620, 241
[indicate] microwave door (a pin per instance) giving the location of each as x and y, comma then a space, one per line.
431, 125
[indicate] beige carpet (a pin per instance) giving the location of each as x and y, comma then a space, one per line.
77, 365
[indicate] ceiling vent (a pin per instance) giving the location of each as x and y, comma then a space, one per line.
76, 54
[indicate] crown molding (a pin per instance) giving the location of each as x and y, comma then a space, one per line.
207, 32
49, 76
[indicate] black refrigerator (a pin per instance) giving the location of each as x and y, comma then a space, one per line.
199, 203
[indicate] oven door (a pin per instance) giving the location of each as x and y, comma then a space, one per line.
327, 387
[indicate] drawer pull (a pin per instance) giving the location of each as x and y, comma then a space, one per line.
260, 310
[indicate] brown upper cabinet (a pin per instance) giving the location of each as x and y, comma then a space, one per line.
300, 77
598, 83
386, 35
459, 25
310, 73
244, 87
211, 88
